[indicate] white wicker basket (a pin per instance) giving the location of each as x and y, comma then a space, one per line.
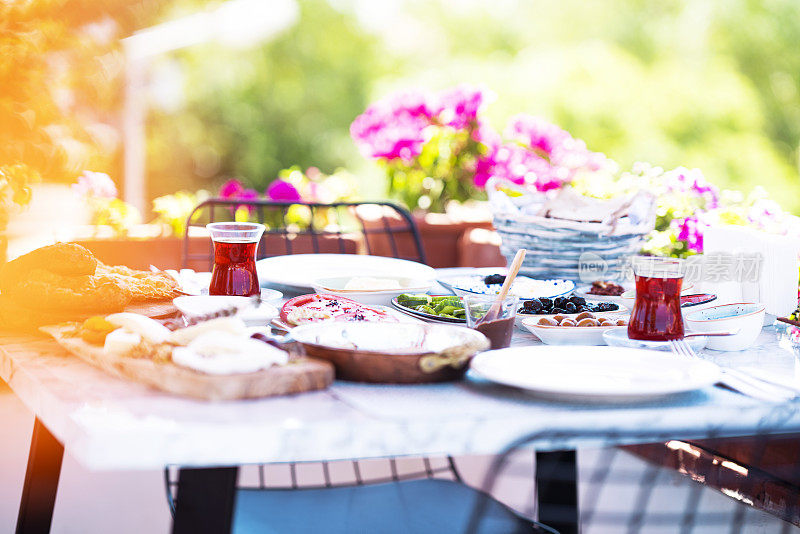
559, 248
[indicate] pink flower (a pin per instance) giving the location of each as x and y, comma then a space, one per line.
691, 230
460, 105
383, 132
692, 181
398, 126
231, 189
283, 191
537, 133
413, 102
96, 184
518, 165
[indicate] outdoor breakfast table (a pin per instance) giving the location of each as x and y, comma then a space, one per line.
108, 423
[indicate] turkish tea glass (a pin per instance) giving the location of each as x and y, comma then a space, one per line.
656, 314
235, 246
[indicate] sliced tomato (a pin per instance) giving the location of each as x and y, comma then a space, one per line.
339, 308
321, 299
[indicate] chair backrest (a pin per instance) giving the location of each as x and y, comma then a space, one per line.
378, 228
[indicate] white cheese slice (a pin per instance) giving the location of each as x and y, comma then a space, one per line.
150, 329
230, 325
120, 342
222, 353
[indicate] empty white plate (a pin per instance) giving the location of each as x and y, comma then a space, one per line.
607, 374
301, 270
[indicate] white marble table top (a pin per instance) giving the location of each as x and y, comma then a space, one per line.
110, 423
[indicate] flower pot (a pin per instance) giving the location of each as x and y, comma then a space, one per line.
445, 238
167, 252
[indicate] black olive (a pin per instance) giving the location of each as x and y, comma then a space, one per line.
570, 307
559, 302
546, 303
577, 301
494, 279
558, 310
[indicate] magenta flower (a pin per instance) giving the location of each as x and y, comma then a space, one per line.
691, 230
692, 182
97, 184
413, 102
537, 134
382, 132
231, 189
518, 165
398, 126
283, 191
460, 105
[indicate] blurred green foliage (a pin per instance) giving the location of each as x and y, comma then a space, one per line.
714, 85
251, 113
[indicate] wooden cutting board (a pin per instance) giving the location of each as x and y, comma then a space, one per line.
298, 376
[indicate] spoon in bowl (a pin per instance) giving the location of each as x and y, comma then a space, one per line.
495, 311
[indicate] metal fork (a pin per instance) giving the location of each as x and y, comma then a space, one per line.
744, 383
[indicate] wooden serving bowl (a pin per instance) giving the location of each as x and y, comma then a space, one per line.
392, 353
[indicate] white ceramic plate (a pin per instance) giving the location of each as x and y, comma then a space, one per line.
569, 335
301, 270
619, 338
606, 374
383, 297
523, 287
196, 305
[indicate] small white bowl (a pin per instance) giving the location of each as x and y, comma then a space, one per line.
746, 317
522, 317
381, 297
197, 305
569, 335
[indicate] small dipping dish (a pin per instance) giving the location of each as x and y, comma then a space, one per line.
745, 317
491, 318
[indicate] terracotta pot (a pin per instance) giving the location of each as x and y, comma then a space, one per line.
167, 252
444, 239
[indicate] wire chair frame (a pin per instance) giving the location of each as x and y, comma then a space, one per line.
635, 520
395, 225
447, 471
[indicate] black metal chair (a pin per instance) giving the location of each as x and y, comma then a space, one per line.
428, 499
379, 228
747, 484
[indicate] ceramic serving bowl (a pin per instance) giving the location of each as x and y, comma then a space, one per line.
745, 317
570, 335
381, 297
393, 353
520, 318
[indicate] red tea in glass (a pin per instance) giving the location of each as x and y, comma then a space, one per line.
234, 271
656, 314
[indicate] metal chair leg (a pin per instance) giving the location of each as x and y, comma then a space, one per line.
205, 501
557, 490
41, 482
